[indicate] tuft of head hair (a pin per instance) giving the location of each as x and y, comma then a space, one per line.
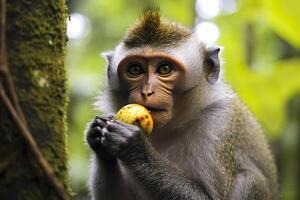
152, 30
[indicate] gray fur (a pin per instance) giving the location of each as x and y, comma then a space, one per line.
212, 147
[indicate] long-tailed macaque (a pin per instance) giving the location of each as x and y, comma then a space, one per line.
205, 143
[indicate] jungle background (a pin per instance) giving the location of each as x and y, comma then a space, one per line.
261, 40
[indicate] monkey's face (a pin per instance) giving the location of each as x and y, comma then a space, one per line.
151, 80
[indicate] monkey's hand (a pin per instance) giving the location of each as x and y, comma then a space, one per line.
95, 137
125, 141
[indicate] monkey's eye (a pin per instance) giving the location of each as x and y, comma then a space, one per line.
135, 70
165, 69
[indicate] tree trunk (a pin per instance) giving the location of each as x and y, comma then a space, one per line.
35, 40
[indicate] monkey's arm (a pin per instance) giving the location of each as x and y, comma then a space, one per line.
253, 180
251, 185
160, 178
106, 179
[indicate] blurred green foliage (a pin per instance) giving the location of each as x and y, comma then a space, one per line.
261, 61
273, 75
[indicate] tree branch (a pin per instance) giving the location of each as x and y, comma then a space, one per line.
4, 69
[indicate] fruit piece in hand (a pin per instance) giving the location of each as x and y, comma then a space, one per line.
136, 114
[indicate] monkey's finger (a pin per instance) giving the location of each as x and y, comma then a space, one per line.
125, 130
106, 118
93, 124
94, 140
97, 140
104, 132
113, 141
99, 122
94, 132
110, 116
117, 125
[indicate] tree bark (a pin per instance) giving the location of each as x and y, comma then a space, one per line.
35, 40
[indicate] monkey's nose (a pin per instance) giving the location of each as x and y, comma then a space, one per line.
147, 93
147, 90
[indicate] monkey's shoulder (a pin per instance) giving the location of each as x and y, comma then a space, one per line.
242, 121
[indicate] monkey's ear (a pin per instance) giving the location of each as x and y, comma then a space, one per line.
212, 64
108, 55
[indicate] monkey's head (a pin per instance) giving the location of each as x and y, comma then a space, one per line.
157, 63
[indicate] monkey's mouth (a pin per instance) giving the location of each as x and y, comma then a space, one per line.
155, 109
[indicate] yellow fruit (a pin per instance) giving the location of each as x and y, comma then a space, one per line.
135, 113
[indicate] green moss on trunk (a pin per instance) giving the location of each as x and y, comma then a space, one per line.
36, 45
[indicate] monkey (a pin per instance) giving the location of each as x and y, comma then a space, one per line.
205, 145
